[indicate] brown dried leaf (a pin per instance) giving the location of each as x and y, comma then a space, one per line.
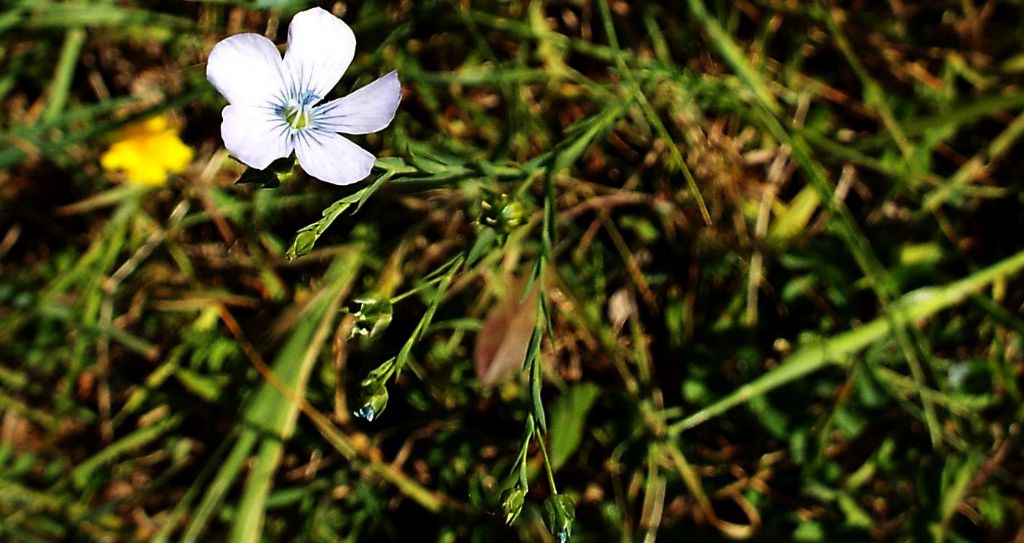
502, 342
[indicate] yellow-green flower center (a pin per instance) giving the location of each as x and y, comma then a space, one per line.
297, 117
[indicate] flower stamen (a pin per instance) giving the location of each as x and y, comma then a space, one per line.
298, 113
297, 117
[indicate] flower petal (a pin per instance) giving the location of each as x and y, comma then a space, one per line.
320, 48
366, 110
332, 158
246, 69
255, 135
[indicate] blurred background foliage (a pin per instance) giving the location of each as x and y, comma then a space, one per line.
776, 246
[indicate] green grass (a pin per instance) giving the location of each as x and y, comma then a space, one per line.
775, 247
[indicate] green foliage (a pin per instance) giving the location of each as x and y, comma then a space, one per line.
775, 249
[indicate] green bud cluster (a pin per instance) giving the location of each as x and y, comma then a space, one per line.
502, 212
373, 317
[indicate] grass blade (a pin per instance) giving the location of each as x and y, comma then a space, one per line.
920, 304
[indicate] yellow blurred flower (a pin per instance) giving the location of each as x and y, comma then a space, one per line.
148, 152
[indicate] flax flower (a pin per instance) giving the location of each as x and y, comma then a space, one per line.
273, 102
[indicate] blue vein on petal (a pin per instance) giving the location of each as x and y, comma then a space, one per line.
292, 105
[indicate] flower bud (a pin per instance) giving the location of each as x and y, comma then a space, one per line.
302, 244
512, 213
373, 317
561, 515
373, 398
512, 503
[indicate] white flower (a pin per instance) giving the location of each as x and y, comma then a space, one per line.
272, 101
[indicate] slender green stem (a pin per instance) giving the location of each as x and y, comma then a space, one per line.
733, 54
418, 288
547, 463
652, 116
874, 96
976, 166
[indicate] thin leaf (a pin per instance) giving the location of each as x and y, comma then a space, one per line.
568, 419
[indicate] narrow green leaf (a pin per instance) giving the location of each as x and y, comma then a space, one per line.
272, 415
568, 420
